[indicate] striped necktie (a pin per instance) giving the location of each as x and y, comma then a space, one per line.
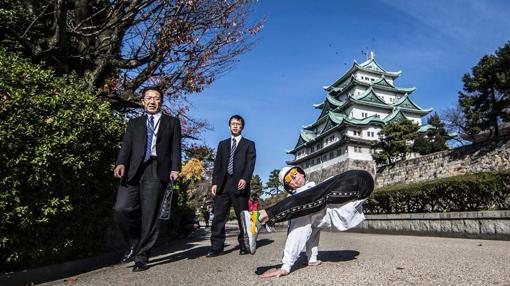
230, 169
150, 134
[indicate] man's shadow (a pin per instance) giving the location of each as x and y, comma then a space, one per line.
324, 256
191, 253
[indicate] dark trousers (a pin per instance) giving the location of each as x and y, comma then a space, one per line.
206, 217
348, 186
228, 196
137, 209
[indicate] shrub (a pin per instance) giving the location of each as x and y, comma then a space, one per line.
482, 191
57, 148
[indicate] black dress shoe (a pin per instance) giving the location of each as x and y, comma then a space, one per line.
128, 255
140, 266
214, 253
243, 251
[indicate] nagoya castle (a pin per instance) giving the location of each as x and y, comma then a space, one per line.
357, 106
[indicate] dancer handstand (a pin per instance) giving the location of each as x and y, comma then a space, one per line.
307, 209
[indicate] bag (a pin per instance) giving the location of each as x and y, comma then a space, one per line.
166, 203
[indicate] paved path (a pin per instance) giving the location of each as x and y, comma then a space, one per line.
349, 259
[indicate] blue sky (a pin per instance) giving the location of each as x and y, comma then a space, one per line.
306, 45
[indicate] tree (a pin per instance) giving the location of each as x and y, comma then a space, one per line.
456, 123
256, 186
434, 140
273, 184
485, 98
198, 161
180, 45
395, 141
57, 157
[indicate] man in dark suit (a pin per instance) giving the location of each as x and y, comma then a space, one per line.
233, 168
150, 156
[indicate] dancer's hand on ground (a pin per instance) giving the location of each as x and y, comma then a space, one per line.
274, 273
241, 185
213, 190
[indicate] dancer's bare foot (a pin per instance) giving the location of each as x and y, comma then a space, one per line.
274, 273
315, 263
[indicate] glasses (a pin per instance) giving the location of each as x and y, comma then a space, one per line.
290, 175
149, 99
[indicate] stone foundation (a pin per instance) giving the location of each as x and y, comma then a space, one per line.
480, 225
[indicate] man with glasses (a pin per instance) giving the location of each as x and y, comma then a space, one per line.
149, 158
233, 169
343, 195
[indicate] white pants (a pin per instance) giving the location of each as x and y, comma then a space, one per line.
304, 232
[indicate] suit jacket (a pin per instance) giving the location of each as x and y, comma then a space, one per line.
244, 162
168, 146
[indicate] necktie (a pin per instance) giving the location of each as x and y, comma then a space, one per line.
150, 134
230, 169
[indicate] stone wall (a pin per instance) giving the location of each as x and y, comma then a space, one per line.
480, 157
481, 224
338, 168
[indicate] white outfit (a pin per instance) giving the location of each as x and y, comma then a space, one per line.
304, 232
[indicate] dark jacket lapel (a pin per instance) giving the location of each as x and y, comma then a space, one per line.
163, 124
240, 145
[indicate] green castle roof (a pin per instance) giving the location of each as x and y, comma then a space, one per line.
368, 98
370, 66
381, 84
335, 119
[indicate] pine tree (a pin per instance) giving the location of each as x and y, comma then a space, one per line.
395, 141
434, 140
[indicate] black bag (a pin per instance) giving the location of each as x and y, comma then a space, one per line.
166, 203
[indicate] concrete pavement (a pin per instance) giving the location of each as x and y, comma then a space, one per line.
348, 259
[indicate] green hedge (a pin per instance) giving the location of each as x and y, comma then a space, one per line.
482, 191
58, 143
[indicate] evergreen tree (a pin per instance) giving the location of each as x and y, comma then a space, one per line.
395, 141
485, 95
273, 184
256, 186
434, 140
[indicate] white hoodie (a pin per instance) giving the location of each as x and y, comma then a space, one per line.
305, 231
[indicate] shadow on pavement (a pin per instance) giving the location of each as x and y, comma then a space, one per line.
324, 256
193, 253
337, 255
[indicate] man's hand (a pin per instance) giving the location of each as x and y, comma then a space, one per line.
174, 175
274, 273
119, 170
213, 189
241, 185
